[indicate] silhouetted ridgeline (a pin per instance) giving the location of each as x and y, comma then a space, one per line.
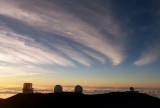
75, 100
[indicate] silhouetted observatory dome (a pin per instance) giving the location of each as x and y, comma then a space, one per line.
78, 89
131, 88
58, 89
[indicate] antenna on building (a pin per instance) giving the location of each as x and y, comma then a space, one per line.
58, 89
27, 88
78, 89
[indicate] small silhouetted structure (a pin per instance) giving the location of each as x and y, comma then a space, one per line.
78, 89
132, 89
58, 89
27, 88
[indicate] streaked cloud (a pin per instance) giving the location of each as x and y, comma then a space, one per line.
18, 49
101, 33
95, 55
150, 55
23, 70
74, 55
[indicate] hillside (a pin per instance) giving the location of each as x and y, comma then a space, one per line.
74, 100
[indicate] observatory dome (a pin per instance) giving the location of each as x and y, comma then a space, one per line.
78, 89
131, 88
58, 89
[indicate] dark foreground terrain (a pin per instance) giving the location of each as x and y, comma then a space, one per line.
74, 100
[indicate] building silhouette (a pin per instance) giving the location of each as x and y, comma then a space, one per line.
78, 89
132, 89
58, 89
27, 88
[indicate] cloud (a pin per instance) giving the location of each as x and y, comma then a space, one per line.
23, 70
18, 49
74, 55
150, 55
101, 33
95, 55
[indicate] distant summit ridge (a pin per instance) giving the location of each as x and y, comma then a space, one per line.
77, 100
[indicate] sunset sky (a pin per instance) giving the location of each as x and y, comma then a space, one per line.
114, 43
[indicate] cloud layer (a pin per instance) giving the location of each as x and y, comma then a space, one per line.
6, 92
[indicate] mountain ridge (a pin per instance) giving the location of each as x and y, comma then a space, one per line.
74, 100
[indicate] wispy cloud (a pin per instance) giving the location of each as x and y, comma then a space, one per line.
19, 49
150, 55
95, 55
102, 33
74, 55
23, 70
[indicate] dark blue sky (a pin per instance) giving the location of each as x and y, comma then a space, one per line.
82, 40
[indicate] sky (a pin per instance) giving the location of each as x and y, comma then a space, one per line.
102, 43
